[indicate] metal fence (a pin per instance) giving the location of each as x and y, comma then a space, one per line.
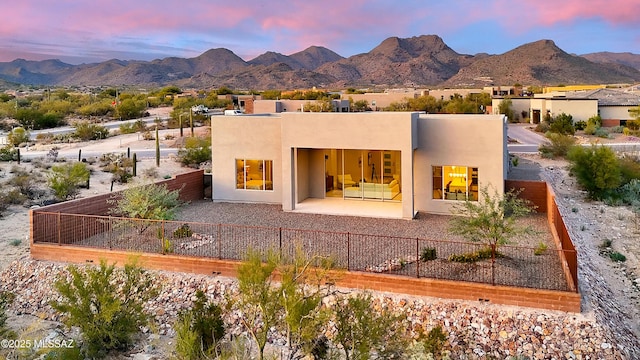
422, 258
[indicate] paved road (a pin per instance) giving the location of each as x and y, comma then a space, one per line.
526, 141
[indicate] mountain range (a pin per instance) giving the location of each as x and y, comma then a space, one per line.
421, 61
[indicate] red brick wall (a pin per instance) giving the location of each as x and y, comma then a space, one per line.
610, 122
544, 299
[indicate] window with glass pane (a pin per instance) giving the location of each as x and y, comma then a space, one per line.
254, 174
452, 182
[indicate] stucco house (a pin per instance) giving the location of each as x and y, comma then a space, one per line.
381, 164
612, 105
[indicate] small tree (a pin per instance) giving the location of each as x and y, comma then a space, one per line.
492, 219
258, 299
149, 201
199, 330
505, 107
87, 131
558, 146
292, 306
107, 305
18, 136
562, 124
596, 169
65, 180
362, 331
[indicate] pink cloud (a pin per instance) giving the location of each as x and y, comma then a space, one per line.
545, 13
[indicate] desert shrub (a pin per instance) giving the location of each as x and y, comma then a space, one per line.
616, 129
596, 169
633, 125
195, 151
602, 133
427, 254
482, 254
18, 136
149, 201
540, 249
580, 125
361, 330
558, 146
65, 180
617, 257
8, 153
200, 329
182, 232
542, 127
106, 304
133, 127
432, 343
6, 298
562, 124
119, 165
86, 131
595, 120
590, 129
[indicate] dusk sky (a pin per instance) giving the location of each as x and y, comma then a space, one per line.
92, 31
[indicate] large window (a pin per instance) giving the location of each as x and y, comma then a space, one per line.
254, 174
364, 174
452, 182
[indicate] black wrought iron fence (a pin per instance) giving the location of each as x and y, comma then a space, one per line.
424, 258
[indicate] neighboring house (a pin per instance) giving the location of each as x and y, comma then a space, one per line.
287, 105
612, 105
349, 163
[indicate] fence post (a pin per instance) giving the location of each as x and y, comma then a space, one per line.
417, 258
162, 237
219, 242
348, 251
493, 264
280, 240
59, 230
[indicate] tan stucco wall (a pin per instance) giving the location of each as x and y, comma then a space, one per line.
297, 143
244, 137
461, 140
616, 112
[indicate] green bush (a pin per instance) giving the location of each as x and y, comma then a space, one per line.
18, 136
65, 180
6, 298
580, 125
542, 127
106, 304
199, 330
482, 254
602, 133
559, 145
617, 257
182, 232
562, 124
596, 169
8, 153
195, 152
540, 249
86, 131
427, 254
590, 129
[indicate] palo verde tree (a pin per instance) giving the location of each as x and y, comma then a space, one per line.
363, 331
146, 202
291, 305
106, 303
65, 180
596, 168
492, 219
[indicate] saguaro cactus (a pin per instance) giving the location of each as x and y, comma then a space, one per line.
157, 148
